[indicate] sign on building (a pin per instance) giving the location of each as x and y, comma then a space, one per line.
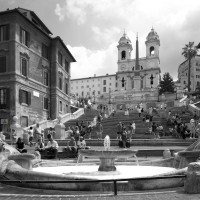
4, 121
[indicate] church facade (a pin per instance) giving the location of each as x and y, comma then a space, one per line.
140, 73
134, 77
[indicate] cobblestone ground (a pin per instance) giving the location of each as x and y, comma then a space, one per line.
14, 193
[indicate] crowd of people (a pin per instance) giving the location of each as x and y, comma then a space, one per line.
180, 128
81, 130
125, 133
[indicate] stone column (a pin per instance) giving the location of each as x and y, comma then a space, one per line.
192, 182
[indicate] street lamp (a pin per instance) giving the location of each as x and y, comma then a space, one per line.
94, 96
158, 93
89, 92
109, 96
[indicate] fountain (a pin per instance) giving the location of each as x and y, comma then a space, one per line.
107, 157
26, 167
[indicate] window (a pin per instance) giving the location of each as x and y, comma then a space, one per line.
24, 37
24, 97
60, 83
24, 66
46, 103
60, 106
104, 82
2, 64
123, 82
4, 98
123, 55
82, 93
110, 84
66, 88
60, 58
66, 66
45, 51
46, 78
152, 51
98, 92
104, 89
4, 32
24, 121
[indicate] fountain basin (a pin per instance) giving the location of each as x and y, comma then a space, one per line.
107, 158
90, 172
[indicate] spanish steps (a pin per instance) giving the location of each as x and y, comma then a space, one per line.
142, 136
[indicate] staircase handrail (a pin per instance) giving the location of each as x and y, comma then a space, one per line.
63, 118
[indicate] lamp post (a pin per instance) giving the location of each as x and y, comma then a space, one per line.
89, 92
158, 93
109, 96
94, 96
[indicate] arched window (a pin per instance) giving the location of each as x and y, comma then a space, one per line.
123, 55
123, 82
152, 52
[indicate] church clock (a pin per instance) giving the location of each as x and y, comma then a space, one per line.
123, 67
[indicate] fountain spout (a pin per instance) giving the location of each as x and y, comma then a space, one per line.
107, 143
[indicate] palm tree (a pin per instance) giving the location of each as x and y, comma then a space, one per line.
189, 52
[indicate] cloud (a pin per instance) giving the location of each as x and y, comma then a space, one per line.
90, 62
105, 35
73, 9
176, 23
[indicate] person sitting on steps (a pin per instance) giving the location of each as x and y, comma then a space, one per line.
20, 146
51, 149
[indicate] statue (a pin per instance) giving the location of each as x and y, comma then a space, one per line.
107, 143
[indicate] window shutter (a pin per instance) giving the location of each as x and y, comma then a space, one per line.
28, 39
8, 32
20, 35
20, 96
29, 98
7, 98
47, 81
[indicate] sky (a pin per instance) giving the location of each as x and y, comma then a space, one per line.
91, 29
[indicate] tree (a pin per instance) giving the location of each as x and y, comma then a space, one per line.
166, 84
189, 52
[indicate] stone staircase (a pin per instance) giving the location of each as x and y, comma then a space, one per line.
142, 137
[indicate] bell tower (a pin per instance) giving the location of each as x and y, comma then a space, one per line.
152, 45
124, 52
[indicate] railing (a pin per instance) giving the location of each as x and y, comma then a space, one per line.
64, 118
114, 181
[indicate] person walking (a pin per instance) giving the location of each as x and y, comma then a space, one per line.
124, 138
119, 130
89, 129
99, 130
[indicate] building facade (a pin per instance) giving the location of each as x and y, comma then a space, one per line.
34, 70
194, 74
133, 75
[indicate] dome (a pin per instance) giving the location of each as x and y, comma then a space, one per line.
124, 39
152, 35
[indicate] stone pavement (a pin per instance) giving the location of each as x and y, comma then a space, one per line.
14, 193
11, 192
